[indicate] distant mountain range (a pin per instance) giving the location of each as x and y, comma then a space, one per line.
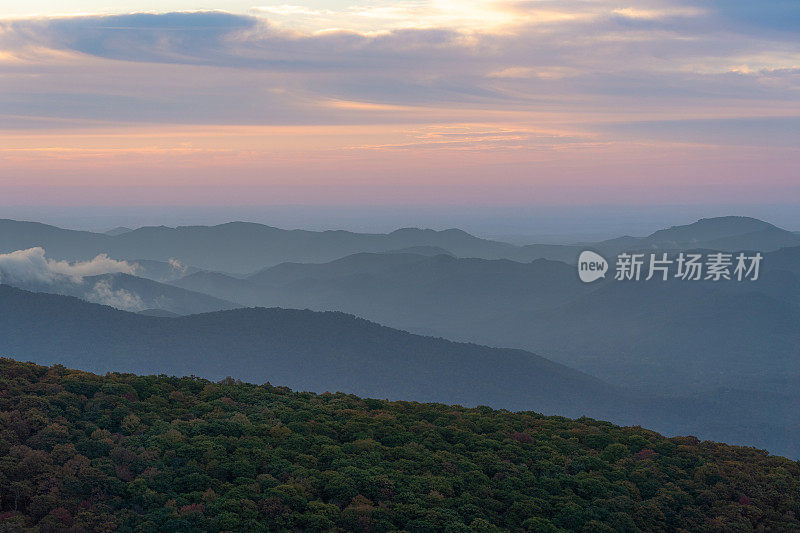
241, 247
441, 295
337, 352
676, 337
742, 335
625, 334
237, 246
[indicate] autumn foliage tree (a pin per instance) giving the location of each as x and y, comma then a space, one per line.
81, 452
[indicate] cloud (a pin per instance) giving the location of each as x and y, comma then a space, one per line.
658, 14
527, 65
103, 293
289, 9
31, 266
463, 15
170, 38
481, 137
254, 71
177, 265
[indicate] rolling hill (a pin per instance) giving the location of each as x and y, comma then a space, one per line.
302, 349
156, 453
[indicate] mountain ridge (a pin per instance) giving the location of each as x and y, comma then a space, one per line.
244, 247
346, 352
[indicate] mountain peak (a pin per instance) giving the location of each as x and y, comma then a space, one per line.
119, 230
411, 231
712, 228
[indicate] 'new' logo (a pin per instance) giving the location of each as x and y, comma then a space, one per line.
591, 266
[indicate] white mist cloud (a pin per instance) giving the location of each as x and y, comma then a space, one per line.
103, 293
177, 265
32, 266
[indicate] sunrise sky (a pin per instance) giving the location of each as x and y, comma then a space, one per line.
417, 102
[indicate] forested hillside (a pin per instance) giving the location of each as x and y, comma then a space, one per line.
124, 452
300, 349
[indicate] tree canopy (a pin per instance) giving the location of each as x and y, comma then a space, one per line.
122, 452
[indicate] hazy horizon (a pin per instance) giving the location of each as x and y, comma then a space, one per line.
517, 224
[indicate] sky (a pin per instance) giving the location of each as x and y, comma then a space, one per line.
427, 103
